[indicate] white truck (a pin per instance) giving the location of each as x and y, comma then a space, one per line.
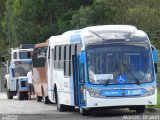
16, 79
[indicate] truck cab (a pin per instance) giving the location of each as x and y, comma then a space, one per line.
20, 65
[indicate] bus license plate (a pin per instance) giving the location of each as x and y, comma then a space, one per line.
133, 92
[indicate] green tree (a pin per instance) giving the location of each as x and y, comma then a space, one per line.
101, 12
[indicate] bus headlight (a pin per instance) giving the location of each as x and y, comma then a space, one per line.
152, 91
146, 93
93, 94
149, 92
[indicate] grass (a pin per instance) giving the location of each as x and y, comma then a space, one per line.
158, 100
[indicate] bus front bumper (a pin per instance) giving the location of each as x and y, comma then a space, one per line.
92, 102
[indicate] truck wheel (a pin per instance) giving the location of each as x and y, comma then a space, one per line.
9, 96
39, 98
20, 95
46, 100
26, 96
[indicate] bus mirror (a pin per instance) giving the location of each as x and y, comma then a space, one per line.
155, 66
155, 54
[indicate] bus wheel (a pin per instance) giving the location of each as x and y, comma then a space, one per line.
9, 96
39, 98
140, 109
84, 111
55, 94
46, 100
60, 107
71, 108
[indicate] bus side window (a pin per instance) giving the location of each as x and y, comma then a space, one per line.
67, 69
54, 57
62, 57
56, 62
82, 73
59, 60
35, 57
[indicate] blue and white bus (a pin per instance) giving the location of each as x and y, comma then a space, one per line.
102, 66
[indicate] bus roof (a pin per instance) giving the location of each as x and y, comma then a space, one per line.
113, 32
102, 33
112, 28
68, 37
44, 44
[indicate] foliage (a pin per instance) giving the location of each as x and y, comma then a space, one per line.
34, 21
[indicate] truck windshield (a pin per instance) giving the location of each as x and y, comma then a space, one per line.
119, 64
21, 69
25, 55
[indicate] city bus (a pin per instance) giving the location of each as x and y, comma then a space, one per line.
39, 72
102, 66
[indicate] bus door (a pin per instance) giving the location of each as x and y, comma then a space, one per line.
78, 78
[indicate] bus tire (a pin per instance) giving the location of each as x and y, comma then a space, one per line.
71, 108
60, 107
55, 94
140, 109
46, 100
39, 98
9, 96
83, 111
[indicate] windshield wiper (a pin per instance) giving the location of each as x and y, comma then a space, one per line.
135, 78
107, 82
131, 73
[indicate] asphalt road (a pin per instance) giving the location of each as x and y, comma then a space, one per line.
33, 110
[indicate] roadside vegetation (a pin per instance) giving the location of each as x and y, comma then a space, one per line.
158, 98
34, 21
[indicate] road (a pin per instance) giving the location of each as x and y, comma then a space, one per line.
33, 110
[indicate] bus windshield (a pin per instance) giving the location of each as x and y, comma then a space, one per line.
117, 64
21, 69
